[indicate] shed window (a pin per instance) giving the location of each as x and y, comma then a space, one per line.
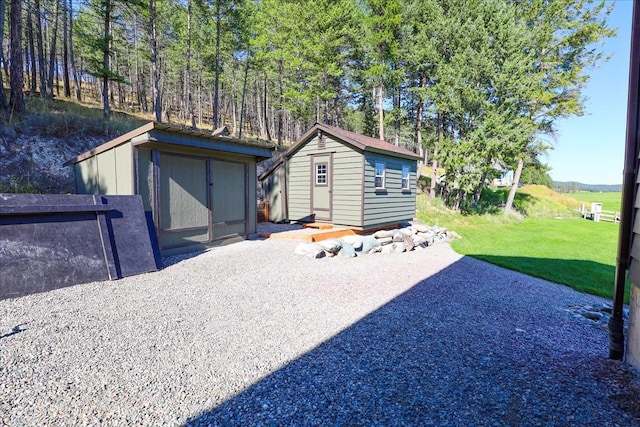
321, 174
380, 175
405, 177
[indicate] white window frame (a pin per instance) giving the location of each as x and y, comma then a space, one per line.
324, 175
382, 177
406, 177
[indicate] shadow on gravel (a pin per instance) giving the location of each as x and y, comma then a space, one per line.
15, 330
466, 346
586, 276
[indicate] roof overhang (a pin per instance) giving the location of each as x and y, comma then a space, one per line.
174, 135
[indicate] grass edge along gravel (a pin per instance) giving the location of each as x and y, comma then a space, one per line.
564, 249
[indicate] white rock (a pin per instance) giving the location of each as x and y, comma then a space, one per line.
383, 234
387, 249
347, 250
398, 247
353, 240
330, 245
421, 228
385, 240
408, 231
369, 243
310, 250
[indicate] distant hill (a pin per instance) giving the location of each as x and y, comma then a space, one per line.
572, 187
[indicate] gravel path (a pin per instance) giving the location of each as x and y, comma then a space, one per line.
250, 334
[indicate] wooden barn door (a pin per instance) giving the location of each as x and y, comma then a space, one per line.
321, 187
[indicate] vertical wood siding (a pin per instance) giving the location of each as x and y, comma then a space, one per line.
109, 172
145, 178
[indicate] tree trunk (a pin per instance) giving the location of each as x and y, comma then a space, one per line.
265, 109
216, 100
17, 96
192, 115
4, 105
76, 82
381, 110
33, 84
155, 75
434, 162
52, 49
244, 92
65, 51
42, 69
105, 60
3, 8
418, 128
281, 100
397, 99
514, 186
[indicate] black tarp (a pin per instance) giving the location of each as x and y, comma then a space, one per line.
52, 241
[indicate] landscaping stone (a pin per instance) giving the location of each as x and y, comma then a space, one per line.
595, 315
421, 228
331, 245
408, 243
385, 240
398, 236
381, 234
347, 250
369, 243
398, 247
310, 250
407, 238
387, 249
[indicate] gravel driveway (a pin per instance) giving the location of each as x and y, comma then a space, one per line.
250, 334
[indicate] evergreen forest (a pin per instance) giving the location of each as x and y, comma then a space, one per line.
475, 87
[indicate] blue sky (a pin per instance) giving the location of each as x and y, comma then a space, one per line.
590, 148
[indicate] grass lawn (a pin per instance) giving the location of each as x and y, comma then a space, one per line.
610, 201
570, 251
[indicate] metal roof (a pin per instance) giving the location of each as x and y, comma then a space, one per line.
211, 140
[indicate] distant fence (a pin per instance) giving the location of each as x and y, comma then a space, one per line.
597, 214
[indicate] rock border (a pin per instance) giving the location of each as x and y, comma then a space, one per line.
410, 236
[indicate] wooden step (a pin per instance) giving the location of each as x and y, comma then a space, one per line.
318, 225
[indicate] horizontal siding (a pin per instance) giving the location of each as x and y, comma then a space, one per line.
392, 204
346, 181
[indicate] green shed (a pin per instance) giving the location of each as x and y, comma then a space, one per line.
335, 176
198, 187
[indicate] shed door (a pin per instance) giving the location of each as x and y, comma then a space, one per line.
184, 214
229, 198
321, 187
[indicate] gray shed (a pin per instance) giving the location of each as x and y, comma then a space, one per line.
335, 176
199, 187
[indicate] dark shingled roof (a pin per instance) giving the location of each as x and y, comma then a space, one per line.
365, 143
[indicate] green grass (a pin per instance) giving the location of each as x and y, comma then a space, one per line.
571, 251
610, 201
